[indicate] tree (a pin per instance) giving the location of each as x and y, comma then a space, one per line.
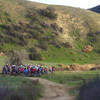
15, 58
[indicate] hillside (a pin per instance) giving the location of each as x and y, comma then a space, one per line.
96, 9
49, 33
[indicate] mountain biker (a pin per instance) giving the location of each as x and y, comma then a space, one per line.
26, 72
4, 70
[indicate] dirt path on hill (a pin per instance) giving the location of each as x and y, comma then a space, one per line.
54, 91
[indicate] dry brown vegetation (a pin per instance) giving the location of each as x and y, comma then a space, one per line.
77, 67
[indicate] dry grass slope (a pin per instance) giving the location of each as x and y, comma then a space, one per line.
49, 30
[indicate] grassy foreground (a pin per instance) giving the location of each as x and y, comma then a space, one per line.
72, 78
19, 88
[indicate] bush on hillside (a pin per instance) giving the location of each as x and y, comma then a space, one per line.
48, 12
90, 91
12, 32
56, 44
35, 34
22, 41
43, 44
32, 14
94, 37
3, 26
54, 26
67, 45
34, 54
44, 25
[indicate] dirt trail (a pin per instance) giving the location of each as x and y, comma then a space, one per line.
54, 91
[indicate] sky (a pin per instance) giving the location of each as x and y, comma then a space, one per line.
74, 3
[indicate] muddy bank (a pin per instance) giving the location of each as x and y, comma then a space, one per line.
77, 67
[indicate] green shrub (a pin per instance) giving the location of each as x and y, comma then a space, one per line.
43, 44
48, 12
67, 45
34, 54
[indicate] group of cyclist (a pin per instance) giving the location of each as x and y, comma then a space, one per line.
28, 70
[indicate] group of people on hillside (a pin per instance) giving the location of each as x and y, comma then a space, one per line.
28, 70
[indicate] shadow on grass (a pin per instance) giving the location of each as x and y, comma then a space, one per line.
90, 91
